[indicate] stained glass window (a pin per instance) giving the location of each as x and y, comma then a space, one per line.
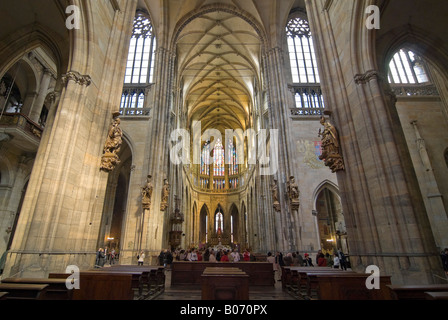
140, 64
218, 158
205, 159
301, 52
219, 222
232, 159
407, 68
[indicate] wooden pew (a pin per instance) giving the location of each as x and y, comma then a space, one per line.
415, 292
139, 278
190, 272
101, 285
442, 295
56, 290
20, 291
346, 286
3, 295
224, 284
153, 278
298, 279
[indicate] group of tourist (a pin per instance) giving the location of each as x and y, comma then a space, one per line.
166, 257
104, 256
338, 260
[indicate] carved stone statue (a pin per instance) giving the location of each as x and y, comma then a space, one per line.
293, 192
147, 194
274, 190
330, 147
112, 145
165, 195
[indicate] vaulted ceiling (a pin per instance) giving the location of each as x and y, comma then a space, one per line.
218, 64
218, 50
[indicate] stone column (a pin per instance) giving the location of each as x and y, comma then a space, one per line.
60, 219
158, 148
36, 109
386, 221
277, 100
436, 210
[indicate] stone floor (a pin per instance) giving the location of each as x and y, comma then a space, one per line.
255, 293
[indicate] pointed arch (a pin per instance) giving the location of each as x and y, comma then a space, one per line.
204, 216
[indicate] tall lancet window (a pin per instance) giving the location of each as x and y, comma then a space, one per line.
301, 52
218, 158
304, 72
232, 159
140, 64
407, 68
219, 220
205, 159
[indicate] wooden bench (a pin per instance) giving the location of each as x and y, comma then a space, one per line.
346, 286
224, 284
19, 291
139, 278
56, 290
3, 295
295, 279
153, 278
102, 285
415, 292
442, 295
190, 272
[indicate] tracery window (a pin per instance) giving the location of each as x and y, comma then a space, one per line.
301, 52
407, 68
205, 159
139, 67
305, 75
140, 64
232, 159
219, 220
218, 159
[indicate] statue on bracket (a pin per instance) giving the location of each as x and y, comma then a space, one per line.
293, 192
330, 147
274, 190
165, 195
147, 194
112, 146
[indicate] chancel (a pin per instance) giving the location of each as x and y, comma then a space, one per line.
190, 130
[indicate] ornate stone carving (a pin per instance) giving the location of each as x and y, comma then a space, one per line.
330, 147
147, 194
112, 146
293, 193
83, 80
165, 195
274, 190
368, 76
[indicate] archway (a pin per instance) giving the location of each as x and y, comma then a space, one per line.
330, 220
116, 201
203, 223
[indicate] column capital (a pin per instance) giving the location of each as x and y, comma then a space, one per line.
83, 80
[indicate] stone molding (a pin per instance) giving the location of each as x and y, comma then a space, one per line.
83, 80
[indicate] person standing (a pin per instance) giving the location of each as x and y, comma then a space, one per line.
271, 259
141, 258
212, 257
336, 262
235, 256
246, 255
308, 262
100, 258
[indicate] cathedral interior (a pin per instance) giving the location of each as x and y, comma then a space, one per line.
268, 125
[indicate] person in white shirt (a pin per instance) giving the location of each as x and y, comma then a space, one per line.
193, 256
141, 258
336, 261
235, 255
